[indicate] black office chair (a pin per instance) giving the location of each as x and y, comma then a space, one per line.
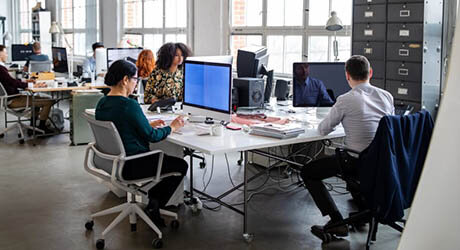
415, 130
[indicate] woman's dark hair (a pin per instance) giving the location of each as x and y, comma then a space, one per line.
118, 70
167, 52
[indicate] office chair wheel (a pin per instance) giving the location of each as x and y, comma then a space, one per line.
157, 243
89, 225
133, 227
2, 135
21, 141
239, 162
19, 135
202, 164
100, 244
175, 224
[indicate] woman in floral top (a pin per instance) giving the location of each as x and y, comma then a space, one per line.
166, 79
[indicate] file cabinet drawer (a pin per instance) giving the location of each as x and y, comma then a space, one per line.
411, 32
412, 12
371, 50
408, 52
405, 1
378, 69
368, 32
404, 104
411, 72
369, 13
356, 2
410, 91
379, 83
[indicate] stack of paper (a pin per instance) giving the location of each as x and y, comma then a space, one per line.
277, 130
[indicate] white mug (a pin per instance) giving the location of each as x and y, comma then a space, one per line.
216, 130
30, 85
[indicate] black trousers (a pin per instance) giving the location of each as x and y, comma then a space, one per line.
147, 167
316, 171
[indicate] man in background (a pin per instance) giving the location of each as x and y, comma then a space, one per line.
89, 67
36, 56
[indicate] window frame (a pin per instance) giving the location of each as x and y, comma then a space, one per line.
305, 31
73, 30
164, 31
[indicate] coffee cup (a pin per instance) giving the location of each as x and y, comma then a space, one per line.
216, 130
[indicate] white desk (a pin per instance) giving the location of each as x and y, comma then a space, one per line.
235, 141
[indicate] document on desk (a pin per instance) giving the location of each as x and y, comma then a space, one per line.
167, 118
194, 129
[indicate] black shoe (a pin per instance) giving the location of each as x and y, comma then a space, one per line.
341, 231
153, 212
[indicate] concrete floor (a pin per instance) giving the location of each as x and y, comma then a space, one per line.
46, 196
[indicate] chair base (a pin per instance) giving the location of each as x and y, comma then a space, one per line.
131, 209
21, 127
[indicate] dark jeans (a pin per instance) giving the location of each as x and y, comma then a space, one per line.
318, 170
147, 166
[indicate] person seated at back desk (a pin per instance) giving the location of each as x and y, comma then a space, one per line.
359, 110
309, 91
12, 87
136, 133
166, 80
89, 66
36, 56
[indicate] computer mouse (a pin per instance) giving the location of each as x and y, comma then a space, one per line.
245, 128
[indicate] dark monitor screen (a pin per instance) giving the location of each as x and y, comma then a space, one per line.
60, 60
20, 52
129, 54
249, 61
318, 84
208, 85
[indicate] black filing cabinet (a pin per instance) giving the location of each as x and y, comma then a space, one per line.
390, 34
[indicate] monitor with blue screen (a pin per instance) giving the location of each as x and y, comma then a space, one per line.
207, 89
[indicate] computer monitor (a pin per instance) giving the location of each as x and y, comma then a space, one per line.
60, 60
40, 66
101, 61
227, 59
20, 52
207, 89
129, 54
252, 61
329, 74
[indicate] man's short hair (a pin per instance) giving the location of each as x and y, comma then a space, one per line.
358, 67
97, 45
36, 46
2, 47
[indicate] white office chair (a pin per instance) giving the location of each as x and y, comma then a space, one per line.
18, 112
105, 159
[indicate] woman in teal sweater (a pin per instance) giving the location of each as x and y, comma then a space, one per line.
136, 133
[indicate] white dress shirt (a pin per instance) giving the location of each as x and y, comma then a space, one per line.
359, 110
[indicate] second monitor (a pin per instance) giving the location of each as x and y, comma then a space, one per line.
60, 60
207, 89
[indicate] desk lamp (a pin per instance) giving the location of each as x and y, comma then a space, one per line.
334, 24
57, 29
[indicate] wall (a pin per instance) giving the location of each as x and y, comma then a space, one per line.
210, 27
433, 221
111, 18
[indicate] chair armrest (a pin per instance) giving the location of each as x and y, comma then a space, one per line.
159, 164
169, 175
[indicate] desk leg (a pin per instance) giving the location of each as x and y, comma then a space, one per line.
34, 125
248, 237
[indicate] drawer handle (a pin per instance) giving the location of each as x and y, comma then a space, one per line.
368, 51
403, 91
404, 32
403, 52
368, 32
368, 14
404, 13
403, 72
369, 1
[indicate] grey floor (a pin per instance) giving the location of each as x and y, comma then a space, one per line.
45, 197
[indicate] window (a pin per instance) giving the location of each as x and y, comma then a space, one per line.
25, 15
291, 33
151, 23
80, 21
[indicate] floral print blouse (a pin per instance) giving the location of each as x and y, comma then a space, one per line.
164, 84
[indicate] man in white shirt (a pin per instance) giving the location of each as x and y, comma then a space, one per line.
359, 110
89, 66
